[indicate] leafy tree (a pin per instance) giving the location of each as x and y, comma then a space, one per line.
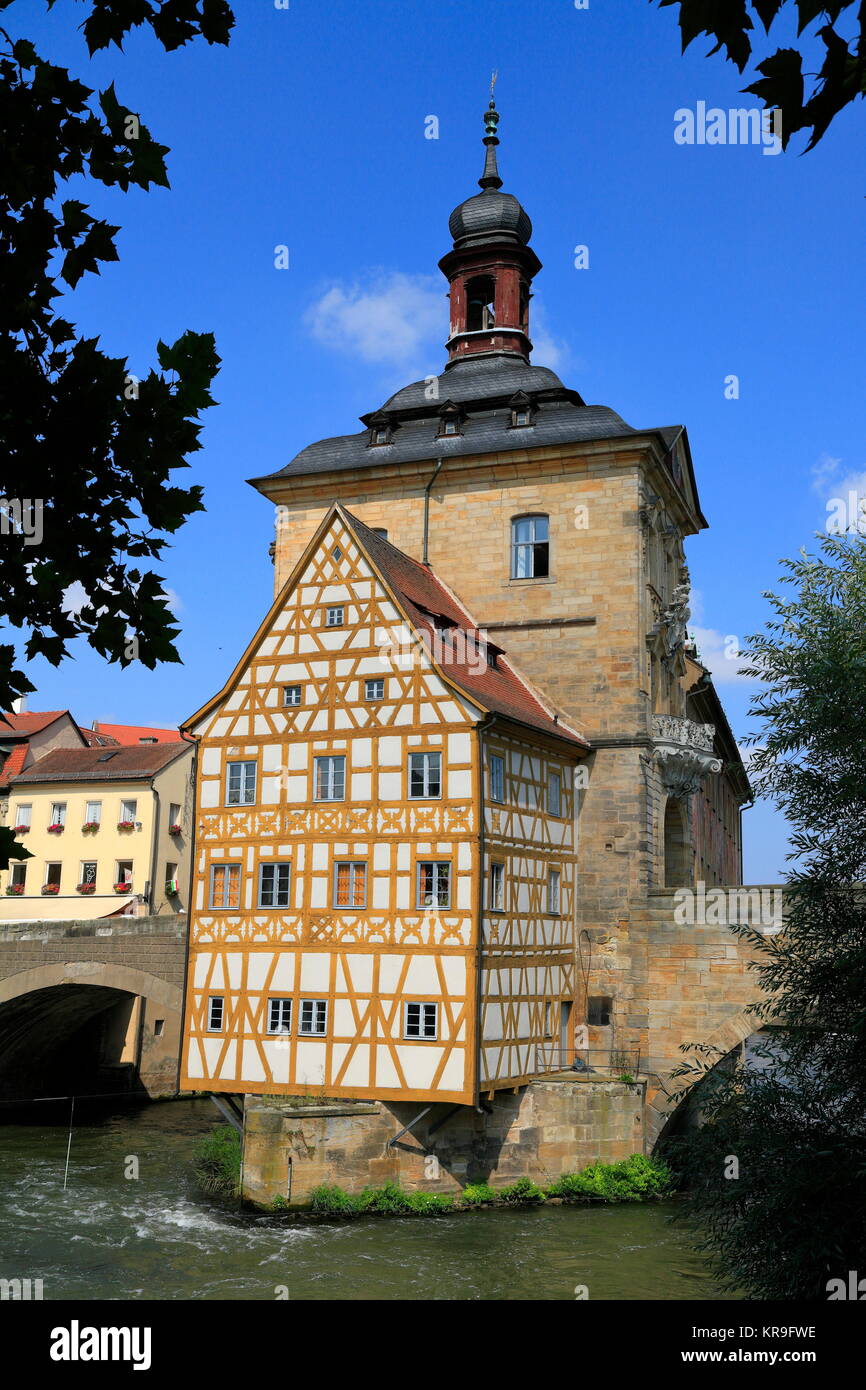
782, 84
87, 450
792, 1218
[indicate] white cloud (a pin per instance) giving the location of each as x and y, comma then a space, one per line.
391, 318
844, 495
547, 350
718, 651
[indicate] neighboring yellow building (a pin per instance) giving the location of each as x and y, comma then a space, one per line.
109, 829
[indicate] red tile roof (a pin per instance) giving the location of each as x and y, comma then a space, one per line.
31, 723
500, 688
14, 763
139, 762
126, 734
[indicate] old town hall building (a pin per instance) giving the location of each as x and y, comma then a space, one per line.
469, 738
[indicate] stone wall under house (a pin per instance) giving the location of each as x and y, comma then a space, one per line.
556, 1125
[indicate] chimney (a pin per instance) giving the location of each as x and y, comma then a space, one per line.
19, 706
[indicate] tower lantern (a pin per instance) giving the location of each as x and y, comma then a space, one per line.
491, 265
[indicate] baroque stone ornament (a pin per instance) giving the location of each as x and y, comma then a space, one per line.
684, 752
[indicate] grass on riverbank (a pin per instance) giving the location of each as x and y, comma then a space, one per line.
217, 1162
634, 1179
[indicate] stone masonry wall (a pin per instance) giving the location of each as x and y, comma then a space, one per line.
554, 1126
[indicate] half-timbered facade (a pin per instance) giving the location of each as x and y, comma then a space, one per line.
384, 894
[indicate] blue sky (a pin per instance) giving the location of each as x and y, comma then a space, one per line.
705, 261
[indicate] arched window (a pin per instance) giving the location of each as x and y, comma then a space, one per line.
530, 547
480, 303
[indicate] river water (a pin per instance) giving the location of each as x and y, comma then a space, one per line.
155, 1236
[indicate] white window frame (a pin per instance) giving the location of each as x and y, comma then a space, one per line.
291, 689
497, 886
128, 810
245, 764
354, 865
18, 868
220, 1000
277, 889
429, 761
58, 813
331, 779
117, 878
283, 1027
49, 865
317, 1010
554, 893
554, 803
82, 863
437, 865
379, 692
20, 818
424, 1007
523, 551
89, 808
331, 618
497, 783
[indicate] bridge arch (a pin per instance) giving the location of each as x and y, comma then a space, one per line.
663, 1102
87, 1026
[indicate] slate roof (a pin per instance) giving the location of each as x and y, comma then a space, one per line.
483, 388
138, 762
500, 688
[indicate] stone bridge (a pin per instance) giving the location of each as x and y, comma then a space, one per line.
90, 1006
694, 981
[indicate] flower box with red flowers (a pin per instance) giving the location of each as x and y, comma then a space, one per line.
126, 825
55, 829
50, 889
90, 825
123, 887
87, 888
175, 829
14, 890
21, 829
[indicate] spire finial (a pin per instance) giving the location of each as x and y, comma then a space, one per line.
490, 178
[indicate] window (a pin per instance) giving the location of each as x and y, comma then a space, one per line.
374, 690
88, 872
434, 883
174, 815
554, 794
23, 816
330, 779
380, 435
279, 1015
598, 1011
425, 775
52, 874
497, 887
519, 418
497, 777
553, 892
240, 784
334, 617
170, 877
530, 547
93, 813
18, 876
123, 871
314, 1017
58, 813
215, 1013
274, 882
480, 306
225, 885
380, 531
128, 810
449, 425
350, 884
292, 695
420, 1020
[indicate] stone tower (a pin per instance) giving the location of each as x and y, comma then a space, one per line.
561, 527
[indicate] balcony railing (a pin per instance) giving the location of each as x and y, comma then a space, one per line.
606, 1062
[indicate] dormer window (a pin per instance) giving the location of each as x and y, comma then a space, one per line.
381, 431
449, 420
521, 411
